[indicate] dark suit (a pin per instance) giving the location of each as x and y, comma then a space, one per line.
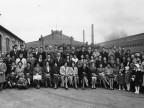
14, 53
36, 55
24, 52
43, 55
60, 62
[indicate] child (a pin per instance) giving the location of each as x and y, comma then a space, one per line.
120, 80
127, 78
22, 83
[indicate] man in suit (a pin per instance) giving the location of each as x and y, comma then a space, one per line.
59, 60
22, 50
36, 53
14, 53
89, 52
42, 52
104, 53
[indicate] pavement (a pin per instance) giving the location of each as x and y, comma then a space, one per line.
61, 98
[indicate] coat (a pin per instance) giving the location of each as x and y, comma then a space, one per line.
3, 69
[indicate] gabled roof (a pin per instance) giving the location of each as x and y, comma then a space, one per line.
10, 33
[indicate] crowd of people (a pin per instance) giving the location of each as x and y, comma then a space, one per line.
77, 67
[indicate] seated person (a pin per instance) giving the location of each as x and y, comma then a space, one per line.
47, 74
37, 76
22, 83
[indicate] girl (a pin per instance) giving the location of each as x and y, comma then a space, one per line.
120, 79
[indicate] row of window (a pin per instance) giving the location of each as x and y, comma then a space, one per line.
134, 45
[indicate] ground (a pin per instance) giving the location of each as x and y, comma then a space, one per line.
61, 98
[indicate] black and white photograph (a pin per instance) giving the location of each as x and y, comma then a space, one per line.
71, 54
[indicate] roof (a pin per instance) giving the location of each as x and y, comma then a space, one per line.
10, 33
128, 38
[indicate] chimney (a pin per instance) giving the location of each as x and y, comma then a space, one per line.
92, 34
83, 36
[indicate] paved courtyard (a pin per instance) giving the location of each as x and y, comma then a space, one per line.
61, 98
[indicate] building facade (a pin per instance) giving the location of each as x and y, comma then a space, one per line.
135, 43
8, 39
55, 38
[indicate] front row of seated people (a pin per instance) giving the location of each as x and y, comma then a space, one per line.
22, 76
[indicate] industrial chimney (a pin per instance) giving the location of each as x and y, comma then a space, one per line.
92, 34
83, 36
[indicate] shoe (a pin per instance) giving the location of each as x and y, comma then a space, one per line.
119, 89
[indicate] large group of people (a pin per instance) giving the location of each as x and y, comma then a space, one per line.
77, 67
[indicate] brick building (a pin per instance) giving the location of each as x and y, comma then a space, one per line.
7, 40
55, 38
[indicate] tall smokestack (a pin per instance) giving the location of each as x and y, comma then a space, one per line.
92, 34
83, 36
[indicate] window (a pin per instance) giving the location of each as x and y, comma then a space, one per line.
7, 44
0, 42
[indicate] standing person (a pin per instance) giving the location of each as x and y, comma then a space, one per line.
120, 79
137, 76
7, 60
43, 53
50, 60
14, 53
3, 69
37, 76
74, 71
93, 72
36, 53
23, 51
47, 74
110, 75
40, 61
127, 77
55, 75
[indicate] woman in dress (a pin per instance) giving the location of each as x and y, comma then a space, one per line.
55, 75
37, 76
102, 77
110, 75
137, 77
84, 75
47, 74
127, 77
74, 73
93, 72
28, 72
19, 70
64, 71
3, 69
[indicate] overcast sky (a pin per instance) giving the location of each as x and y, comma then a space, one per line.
29, 19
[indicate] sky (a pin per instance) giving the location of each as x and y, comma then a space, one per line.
29, 19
